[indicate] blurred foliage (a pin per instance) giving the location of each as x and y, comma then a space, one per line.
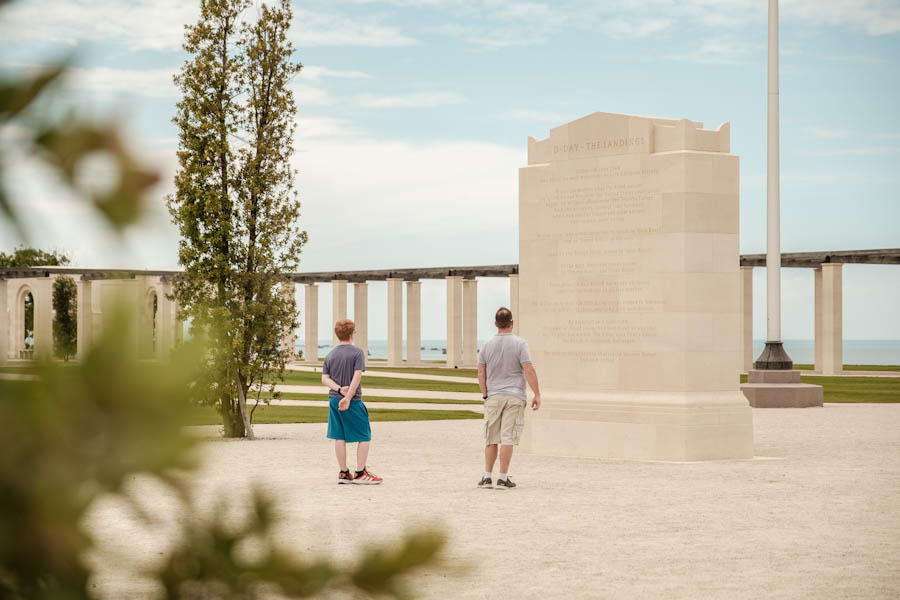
73, 434
65, 319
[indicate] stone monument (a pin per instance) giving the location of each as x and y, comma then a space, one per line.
629, 290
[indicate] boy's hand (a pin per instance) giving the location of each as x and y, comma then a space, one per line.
344, 404
344, 389
536, 402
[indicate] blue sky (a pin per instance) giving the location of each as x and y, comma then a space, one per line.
414, 115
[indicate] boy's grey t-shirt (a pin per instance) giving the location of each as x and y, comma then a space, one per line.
340, 364
503, 356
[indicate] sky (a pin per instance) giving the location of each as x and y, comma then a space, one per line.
413, 117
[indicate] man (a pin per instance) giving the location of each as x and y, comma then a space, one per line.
348, 419
504, 365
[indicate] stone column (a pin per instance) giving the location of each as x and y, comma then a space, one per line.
43, 317
361, 314
470, 323
311, 337
746, 309
165, 319
288, 340
395, 321
338, 305
85, 304
454, 321
817, 308
514, 300
413, 322
4, 322
829, 319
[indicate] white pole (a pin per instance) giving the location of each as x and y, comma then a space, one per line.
773, 216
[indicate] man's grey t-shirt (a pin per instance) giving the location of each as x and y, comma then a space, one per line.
340, 365
503, 355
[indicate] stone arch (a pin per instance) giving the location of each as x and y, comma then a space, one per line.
19, 346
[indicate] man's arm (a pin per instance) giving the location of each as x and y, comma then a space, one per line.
344, 404
482, 380
532, 379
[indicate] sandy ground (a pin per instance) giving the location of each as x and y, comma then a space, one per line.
816, 515
385, 393
393, 405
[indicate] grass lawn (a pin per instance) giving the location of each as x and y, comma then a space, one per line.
428, 371
206, 415
855, 367
322, 398
855, 389
309, 378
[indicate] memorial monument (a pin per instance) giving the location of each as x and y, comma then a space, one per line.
629, 290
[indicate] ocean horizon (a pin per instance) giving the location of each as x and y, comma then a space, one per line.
856, 352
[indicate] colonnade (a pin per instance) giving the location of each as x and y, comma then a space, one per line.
829, 310
155, 332
462, 317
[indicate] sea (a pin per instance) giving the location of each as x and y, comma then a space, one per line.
856, 352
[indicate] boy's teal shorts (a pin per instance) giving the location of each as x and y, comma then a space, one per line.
351, 425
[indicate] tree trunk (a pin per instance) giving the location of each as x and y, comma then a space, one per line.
242, 403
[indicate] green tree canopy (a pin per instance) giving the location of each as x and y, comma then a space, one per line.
32, 257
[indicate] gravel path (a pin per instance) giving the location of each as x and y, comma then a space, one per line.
815, 515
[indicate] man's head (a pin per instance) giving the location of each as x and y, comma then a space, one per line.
344, 329
503, 319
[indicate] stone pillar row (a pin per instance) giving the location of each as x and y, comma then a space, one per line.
829, 328
395, 321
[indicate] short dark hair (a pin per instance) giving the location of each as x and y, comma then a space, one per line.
503, 318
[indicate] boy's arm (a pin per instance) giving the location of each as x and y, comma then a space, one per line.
482, 380
532, 379
330, 383
354, 385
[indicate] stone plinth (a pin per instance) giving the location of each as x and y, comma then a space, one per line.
629, 290
780, 389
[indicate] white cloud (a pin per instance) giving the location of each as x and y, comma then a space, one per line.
151, 83
411, 100
824, 133
138, 25
428, 189
312, 28
725, 50
324, 127
317, 72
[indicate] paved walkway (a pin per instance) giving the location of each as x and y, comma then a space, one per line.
816, 516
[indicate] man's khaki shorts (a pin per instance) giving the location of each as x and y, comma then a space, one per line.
504, 419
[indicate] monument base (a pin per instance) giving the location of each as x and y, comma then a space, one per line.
676, 426
780, 389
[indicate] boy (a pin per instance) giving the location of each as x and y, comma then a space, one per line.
348, 419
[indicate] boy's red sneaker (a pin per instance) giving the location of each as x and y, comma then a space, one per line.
345, 477
365, 478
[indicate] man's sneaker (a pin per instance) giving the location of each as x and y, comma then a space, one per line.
505, 484
365, 478
485, 483
345, 477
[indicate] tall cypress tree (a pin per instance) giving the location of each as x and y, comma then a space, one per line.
234, 201
65, 320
